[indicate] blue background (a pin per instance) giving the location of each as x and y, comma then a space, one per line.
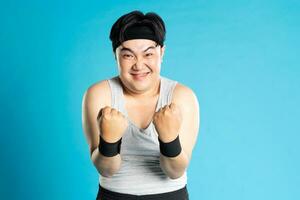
240, 57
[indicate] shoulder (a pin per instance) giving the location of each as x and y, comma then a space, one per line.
180, 92
184, 95
98, 94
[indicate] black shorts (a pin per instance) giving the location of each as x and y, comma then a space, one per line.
104, 194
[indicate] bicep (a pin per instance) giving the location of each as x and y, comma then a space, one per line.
190, 110
89, 122
92, 102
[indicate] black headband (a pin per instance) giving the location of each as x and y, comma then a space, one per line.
137, 32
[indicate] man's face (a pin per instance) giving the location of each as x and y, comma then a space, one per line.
139, 63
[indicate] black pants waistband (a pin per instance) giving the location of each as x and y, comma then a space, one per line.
104, 194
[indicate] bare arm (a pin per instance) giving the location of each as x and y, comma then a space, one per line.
187, 100
174, 167
94, 99
106, 166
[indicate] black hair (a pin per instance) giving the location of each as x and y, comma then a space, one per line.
150, 19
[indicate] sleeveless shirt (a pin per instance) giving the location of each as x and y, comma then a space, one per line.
140, 172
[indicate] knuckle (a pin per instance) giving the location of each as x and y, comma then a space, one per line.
105, 109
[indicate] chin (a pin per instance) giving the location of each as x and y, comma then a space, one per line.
139, 82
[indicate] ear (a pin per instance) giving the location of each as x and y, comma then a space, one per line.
162, 51
115, 56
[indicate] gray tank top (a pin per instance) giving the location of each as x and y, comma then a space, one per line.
140, 172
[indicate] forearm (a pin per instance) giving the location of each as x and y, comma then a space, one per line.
106, 166
174, 167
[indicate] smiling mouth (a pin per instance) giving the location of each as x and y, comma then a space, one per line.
140, 75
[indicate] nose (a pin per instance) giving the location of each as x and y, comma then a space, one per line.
138, 64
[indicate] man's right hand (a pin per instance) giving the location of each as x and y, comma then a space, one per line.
112, 124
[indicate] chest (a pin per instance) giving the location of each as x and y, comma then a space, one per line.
141, 113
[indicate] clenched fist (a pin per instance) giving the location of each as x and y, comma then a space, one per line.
112, 124
167, 122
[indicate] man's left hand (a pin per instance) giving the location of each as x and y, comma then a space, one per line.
167, 121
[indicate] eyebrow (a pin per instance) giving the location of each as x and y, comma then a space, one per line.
128, 49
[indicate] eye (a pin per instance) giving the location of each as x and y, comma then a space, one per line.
127, 56
149, 54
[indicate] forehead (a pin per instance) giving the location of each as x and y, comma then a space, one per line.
137, 45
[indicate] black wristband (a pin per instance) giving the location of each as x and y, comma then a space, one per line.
170, 149
109, 149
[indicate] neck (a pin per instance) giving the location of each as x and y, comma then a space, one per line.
153, 92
